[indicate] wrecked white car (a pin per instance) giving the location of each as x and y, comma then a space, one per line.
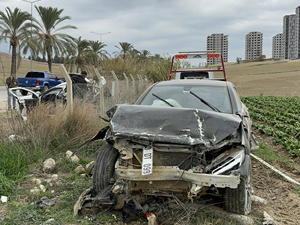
183, 139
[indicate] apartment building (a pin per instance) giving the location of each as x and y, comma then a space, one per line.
253, 45
277, 47
298, 30
291, 35
218, 43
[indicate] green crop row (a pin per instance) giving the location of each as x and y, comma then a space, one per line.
277, 117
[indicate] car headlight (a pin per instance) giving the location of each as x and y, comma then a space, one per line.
233, 159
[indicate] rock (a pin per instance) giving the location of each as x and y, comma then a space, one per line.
69, 153
49, 165
79, 169
35, 190
258, 200
73, 158
89, 169
35, 181
54, 177
43, 188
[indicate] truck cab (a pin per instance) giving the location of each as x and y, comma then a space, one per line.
196, 72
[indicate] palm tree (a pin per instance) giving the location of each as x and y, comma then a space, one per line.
144, 54
124, 48
96, 52
13, 26
79, 59
48, 36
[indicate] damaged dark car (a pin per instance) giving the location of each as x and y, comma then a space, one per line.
183, 138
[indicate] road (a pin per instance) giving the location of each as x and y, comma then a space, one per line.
3, 98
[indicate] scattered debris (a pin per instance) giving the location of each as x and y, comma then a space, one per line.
151, 219
45, 202
49, 165
14, 138
131, 210
50, 221
4, 199
268, 220
258, 200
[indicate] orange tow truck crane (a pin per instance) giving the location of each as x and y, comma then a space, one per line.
197, 55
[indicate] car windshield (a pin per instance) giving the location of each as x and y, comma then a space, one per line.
180, 96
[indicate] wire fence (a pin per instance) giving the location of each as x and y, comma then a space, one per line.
110, 90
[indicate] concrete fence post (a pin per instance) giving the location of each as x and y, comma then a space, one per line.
132, 90
69, 88
127, 88
117, 87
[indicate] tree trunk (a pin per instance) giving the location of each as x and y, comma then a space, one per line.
13, 69
49, 55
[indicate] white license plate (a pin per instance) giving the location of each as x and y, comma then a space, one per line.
147, 160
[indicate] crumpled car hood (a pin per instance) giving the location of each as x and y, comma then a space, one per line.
172, 125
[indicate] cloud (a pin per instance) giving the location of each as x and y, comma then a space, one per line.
170, 26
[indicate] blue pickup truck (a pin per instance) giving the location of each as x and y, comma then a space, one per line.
39, 81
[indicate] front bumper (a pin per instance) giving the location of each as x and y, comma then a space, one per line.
168, 173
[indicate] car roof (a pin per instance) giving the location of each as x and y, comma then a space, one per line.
194, 82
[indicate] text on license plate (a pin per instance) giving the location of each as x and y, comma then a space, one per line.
147, 160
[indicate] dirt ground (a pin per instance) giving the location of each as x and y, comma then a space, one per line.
283, 204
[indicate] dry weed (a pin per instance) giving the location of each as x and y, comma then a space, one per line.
50, 127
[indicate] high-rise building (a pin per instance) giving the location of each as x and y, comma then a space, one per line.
298, 30
291, 35
253, 45
218, 43
277, 47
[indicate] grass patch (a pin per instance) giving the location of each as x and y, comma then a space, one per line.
270, 156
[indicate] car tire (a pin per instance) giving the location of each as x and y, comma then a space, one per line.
23, 92
104, 167
46, 88
239, 200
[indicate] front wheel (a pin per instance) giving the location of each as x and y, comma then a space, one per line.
104, 167
239, 200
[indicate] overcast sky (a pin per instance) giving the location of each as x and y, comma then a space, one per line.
169, 26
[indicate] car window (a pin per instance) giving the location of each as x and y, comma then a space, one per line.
237, 98
50, 95
179, 96
35, 75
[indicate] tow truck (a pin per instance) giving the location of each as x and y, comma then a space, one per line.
197, 73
